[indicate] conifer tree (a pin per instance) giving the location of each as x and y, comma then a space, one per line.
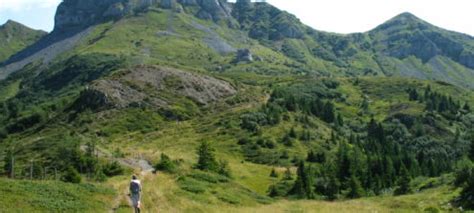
333, 188
273, 173
288, 175
471, 150
207, 160
303, 186
355, 188
404, 182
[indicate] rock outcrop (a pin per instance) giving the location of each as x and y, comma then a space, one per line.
153, 86
83, 13
244, 55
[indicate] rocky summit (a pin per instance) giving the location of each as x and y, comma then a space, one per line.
83, 13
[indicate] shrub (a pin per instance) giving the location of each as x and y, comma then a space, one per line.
113, 169
166, 164
71, 176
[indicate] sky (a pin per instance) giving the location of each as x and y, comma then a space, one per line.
339, 16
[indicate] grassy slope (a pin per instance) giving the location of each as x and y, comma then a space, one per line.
220, 124
15, 37
53, 196
180, 139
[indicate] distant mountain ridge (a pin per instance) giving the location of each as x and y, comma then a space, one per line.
403, 46
15, 37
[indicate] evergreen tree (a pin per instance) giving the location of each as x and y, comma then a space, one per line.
467, 194
8, 164
207, 160
71, 176
292, 133
273, 191
303, 186
471, 150
355, 188
413, 95
333, 188
467, 108
165, 164
288, 175
224, 169
329, 113
404, 182
273, 173
343, 162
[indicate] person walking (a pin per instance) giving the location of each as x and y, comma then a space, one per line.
135, 193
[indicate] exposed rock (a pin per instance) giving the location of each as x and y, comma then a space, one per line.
115, 11
168, 4
214, 40
83, 13
153, 86
188, 2
244, 55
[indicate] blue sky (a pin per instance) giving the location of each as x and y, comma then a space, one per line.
340, 16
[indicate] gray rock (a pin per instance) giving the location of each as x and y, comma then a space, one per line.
168, 4
119, 92
244, 55
115, 11
188, 2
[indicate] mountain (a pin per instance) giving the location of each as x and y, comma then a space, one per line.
240, 107
424, 51
15, 37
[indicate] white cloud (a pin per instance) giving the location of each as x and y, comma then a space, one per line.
23, 5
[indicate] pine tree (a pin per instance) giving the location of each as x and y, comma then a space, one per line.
467, 194
303, 186
224, 169
207, 160
292, 133
273, 192
467, 108
413, 95
471, 151
355, 188
403, 182
165, 164
71, 176
8, 165
273, 173
288, 175
333, 188
329, 114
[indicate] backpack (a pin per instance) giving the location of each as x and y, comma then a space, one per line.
135, 187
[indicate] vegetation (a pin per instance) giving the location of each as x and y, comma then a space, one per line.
312, 119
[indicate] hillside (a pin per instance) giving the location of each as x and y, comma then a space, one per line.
239, 107
15, 37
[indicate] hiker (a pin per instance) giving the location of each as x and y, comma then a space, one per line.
135, 192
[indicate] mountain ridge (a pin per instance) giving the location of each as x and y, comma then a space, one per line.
15, 36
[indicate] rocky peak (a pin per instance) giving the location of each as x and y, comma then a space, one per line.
404, 21
82, 13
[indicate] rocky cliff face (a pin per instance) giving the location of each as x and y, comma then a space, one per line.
83, 13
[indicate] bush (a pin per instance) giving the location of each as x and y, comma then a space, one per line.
113, 169
71, 176
166, 164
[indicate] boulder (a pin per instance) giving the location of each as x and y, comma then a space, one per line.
244, 55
